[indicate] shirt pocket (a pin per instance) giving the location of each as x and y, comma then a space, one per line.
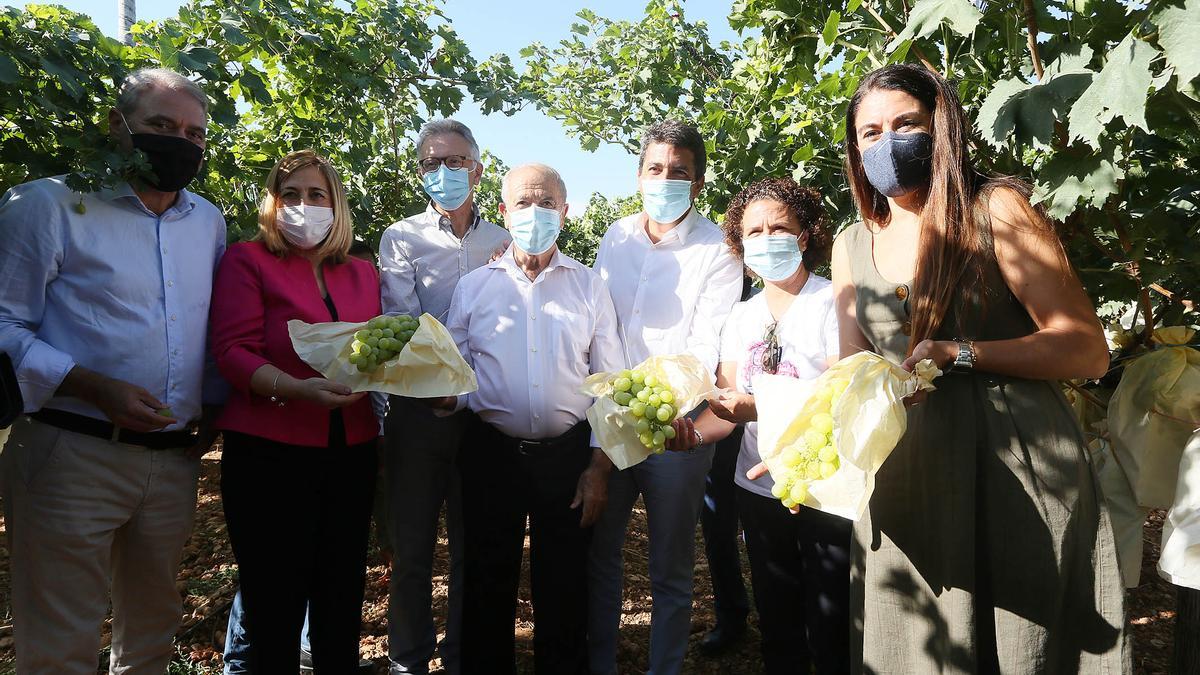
570, 330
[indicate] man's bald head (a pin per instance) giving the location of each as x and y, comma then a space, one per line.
533, 185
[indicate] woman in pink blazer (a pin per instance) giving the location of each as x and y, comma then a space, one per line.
299, 462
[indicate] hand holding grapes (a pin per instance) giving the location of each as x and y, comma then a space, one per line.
685, 435
325, 393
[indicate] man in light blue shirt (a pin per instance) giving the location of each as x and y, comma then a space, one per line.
421, 259
104, 310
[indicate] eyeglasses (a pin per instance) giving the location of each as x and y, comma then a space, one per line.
430, 164
772, 352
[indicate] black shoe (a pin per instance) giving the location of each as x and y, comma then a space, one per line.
364, 665
721, 638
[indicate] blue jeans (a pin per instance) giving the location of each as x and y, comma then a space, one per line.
672, 488
235, 639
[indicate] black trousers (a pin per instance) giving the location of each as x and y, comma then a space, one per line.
800, 570
719, 523
299, 519
503, 482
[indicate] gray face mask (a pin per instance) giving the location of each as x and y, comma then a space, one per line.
899, 163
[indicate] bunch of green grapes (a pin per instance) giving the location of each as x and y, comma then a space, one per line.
381, 341
651, 402
813, 455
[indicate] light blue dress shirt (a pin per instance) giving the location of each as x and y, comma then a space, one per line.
116, 289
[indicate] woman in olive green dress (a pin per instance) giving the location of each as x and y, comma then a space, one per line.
986, 547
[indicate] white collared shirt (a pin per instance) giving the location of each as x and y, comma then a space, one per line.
532, 343
117, 289
671, 297
421, 261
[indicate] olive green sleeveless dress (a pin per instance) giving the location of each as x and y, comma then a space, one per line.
986, 547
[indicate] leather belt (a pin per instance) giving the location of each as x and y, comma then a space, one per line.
81, 424
572, 436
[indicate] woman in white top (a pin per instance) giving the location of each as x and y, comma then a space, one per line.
799, 564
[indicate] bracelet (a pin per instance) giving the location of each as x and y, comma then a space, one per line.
275, 398
699, 436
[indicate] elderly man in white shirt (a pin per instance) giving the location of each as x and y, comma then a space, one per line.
533, 324
673, 282
421, 260
104, 310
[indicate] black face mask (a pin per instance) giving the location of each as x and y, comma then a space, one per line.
174, 160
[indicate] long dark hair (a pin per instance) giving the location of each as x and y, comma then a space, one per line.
953, 250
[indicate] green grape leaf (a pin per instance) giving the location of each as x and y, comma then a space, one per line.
1119, 91
1029, 111
1177, 27
1069, 177
928, 15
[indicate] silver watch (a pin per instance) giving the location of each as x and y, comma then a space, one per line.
966, 356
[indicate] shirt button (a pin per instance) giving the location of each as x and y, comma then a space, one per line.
902, 292
637, 311
533, 349
533, 317
172, 317
535, 385
164, 249
170, 283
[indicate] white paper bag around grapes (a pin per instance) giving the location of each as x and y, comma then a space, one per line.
614, 425
868, 421
1179, 562
428, 366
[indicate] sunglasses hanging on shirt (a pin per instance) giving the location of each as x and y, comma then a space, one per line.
772, 352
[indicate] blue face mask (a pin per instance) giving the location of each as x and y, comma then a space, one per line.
774, 257
448, 188
666, 200
534, 229
899, 163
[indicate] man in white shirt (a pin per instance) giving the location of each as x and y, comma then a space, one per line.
421, 260
673, 283
104, 303
533, 324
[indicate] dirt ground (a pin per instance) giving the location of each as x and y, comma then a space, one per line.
208, 580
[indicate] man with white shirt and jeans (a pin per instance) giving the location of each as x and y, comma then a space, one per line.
533, 324
421, 260
673, 283
104, 310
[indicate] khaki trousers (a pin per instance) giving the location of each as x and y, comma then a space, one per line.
86, 516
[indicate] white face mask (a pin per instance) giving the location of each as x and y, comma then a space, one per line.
304, 226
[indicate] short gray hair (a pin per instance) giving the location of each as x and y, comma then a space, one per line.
544, 168
137, 83
448, 126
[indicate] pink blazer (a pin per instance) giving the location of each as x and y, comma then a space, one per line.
254, 296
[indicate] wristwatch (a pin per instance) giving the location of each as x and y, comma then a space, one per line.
966, 355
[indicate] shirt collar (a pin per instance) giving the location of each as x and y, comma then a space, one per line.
680, 231
184, 201
508, 262
444, 222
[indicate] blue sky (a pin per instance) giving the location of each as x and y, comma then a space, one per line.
491, 27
